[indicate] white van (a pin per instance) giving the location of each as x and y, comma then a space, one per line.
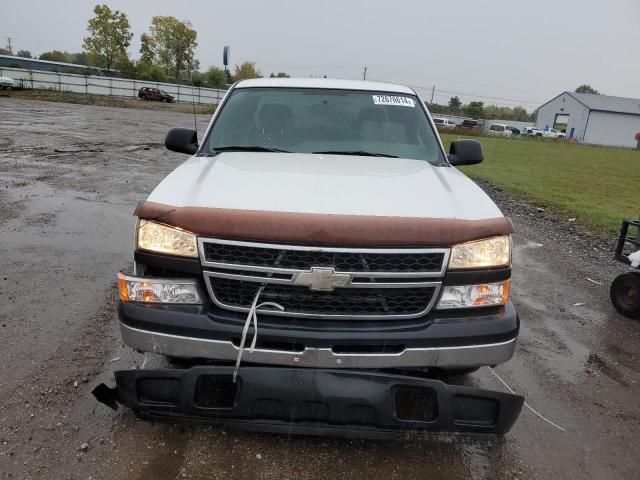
500, 129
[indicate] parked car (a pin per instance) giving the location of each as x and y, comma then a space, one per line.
154, 94
444, 123
470, 124
514, 130
531, 132
553, 133
500, 129
312, 278
7, 83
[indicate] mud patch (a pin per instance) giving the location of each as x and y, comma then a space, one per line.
40, 220
10, 210
595, 362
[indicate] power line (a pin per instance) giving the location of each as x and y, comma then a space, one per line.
445, 93
492, 98
440, 92
420, 87
456, 81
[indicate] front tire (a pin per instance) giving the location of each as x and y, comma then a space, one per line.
625, 294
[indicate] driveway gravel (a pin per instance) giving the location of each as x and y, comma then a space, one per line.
70, 178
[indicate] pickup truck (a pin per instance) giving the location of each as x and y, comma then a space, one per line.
444, 123
553, 133
531, 132
7, 83
318, 265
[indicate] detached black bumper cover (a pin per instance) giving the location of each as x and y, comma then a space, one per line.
313, 402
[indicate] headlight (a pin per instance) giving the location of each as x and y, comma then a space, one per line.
492, 252
157, 290
466, 296
159, 238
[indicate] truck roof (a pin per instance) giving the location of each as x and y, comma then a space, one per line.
324, 83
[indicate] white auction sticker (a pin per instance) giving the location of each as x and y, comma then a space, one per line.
393, 100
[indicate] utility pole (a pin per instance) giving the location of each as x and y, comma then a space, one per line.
9, 46
433, 92
364, 74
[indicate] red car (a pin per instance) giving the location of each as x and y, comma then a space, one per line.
148, 93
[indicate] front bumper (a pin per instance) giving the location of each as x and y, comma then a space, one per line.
445, 340
314, 402
189, 347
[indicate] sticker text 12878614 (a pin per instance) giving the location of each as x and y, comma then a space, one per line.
393, 100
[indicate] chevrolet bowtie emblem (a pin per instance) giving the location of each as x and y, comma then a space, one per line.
323, 279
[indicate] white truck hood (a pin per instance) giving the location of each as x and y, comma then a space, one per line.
326, 184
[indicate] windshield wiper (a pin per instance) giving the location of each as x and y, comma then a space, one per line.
251, 148
360, 153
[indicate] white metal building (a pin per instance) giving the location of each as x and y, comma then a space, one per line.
593, 119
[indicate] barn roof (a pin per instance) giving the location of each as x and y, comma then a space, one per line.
607, 103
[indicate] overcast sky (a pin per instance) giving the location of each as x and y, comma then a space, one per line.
503, 52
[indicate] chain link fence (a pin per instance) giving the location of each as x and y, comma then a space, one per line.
115, 87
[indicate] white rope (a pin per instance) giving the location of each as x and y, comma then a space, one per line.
252, 315
144, 362
535, 412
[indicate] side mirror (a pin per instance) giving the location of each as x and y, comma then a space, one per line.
465, 152
182, 140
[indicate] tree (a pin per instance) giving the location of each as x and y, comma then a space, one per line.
474, 109
436, 108
215, 78
79, 58
587, 89
246, 70
170, 43
279, 75
54, 56
24, 53
520, 114
149, 71
146, 49
109, 37
126, 67
454, 104
197, 79
495, 112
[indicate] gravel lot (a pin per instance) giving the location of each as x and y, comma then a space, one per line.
71, 176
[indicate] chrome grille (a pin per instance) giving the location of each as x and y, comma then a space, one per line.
345, 302
344, 261
383, 283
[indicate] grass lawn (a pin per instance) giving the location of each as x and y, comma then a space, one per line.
598, 186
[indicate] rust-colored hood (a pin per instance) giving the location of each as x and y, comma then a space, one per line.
324, 200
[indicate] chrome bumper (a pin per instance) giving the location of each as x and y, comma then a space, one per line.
189, 347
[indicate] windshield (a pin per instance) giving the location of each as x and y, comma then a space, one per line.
324, 121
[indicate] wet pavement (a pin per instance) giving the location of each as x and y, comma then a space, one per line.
70, 178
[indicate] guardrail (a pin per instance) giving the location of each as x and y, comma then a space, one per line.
116, 87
